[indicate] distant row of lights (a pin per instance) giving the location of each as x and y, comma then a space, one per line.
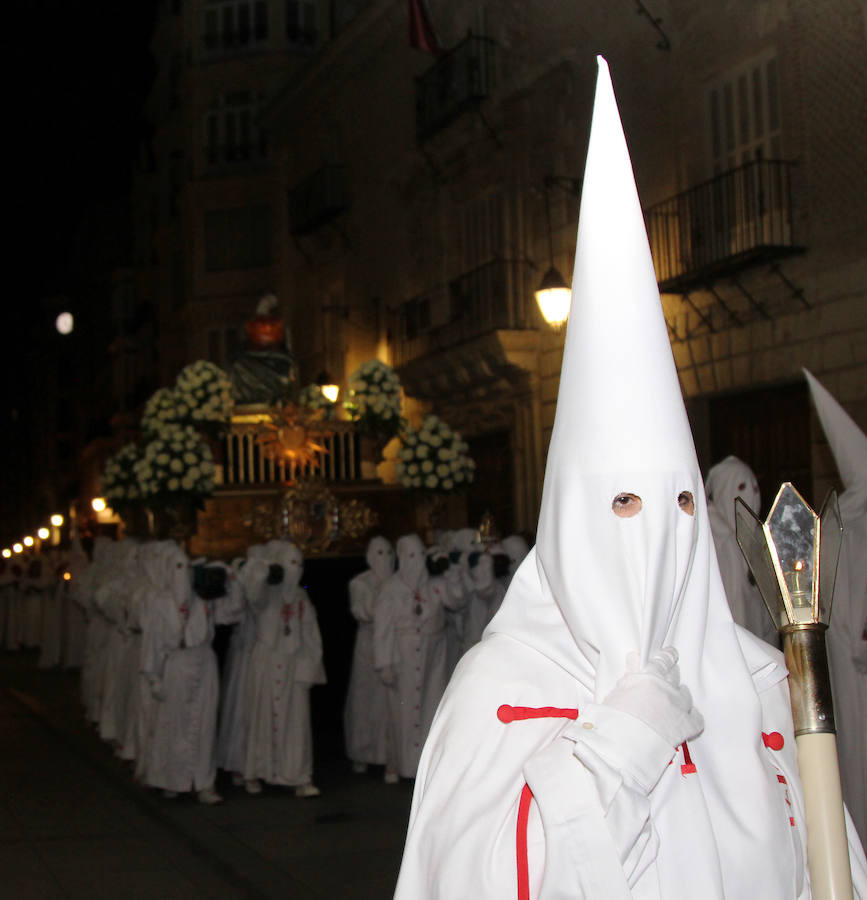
98, 504
42, 533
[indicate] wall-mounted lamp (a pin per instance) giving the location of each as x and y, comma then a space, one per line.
17, 547
28, 541
329, 389
43, 534
553, 295
98, 504
6, 553
57, 520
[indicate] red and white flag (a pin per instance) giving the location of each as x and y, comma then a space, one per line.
421, 32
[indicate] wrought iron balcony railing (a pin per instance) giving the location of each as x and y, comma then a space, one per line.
488, 298
457, 81
713, 230
318, 198
237, 153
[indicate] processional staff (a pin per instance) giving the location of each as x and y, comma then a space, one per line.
793, 556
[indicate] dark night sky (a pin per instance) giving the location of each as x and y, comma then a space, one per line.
79, 74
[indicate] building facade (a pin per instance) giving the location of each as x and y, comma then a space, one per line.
405, 205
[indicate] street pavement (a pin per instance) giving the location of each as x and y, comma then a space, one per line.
74, 824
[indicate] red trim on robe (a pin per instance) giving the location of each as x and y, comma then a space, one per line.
521, 844
507, 713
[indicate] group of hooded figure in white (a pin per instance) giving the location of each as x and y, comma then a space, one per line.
36, 605
615, 733
150, 681
414, 622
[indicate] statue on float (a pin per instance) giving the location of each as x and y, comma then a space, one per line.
264, 371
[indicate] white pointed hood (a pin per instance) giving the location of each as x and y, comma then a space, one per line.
848, 445
727, 480
598, 586
411, 561
380, 557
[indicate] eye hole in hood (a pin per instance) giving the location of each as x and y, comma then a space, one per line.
626, 505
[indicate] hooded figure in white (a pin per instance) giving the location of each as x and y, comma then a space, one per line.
112, 599
487, 595
727, 480
285, 662
409, 648
576, 753
847, 634
365, 717
451, 542
181, 668
515, 547
98, 628
232, 730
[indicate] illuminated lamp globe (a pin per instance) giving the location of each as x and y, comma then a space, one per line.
64, 323
554, 297
28, 541
329, 389
98, 504
17, 548
57, 520
43, 534
6, 553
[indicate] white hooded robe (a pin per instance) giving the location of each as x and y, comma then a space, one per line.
181, 666
365, 716
286, 660
409, 639
725, 481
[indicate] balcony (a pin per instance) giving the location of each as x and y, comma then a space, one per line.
318, 199
742, 218
458, 81
492, 297
236, 154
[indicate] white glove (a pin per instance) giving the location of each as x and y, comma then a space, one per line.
388, 676
654, 695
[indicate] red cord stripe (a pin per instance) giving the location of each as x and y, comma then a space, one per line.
507, 713
688, 767
521, 844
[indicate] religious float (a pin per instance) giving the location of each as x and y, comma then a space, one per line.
230, 458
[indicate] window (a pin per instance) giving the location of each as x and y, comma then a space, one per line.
177, 280
232, 134
234, 24
744, 114
484, 289
237, 238
301, 22
416, 318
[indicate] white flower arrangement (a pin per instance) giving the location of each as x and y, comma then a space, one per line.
118, 479
164, 405
206, 390
313, 398
374, 399
434, 458
176, 465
